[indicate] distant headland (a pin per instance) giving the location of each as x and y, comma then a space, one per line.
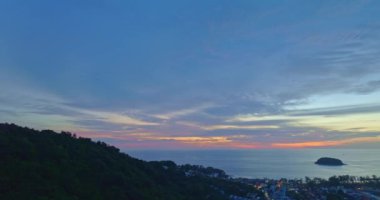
329, 161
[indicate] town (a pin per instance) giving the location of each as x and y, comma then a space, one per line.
335, 188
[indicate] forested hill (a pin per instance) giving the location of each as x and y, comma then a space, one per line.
49, 165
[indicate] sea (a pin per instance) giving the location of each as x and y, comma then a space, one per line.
273, 163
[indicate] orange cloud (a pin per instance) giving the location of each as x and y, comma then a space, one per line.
327, 143
192, 139
233, 142
212, 142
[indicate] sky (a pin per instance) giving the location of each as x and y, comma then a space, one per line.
203, 74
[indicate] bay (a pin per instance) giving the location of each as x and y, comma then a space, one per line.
273, 163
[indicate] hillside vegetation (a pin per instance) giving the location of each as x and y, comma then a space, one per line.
48, 165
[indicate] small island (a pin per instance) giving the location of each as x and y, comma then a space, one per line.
329, 161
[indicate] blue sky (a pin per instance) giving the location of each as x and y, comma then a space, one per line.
194, 74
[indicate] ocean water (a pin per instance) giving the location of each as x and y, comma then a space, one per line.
273, 163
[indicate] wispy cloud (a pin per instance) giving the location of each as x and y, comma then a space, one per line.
50, 110
369, 87
358, 119
184, 112
113, 117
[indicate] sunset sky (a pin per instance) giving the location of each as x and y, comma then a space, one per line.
194, 74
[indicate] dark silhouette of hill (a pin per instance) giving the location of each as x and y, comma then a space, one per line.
44, 164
